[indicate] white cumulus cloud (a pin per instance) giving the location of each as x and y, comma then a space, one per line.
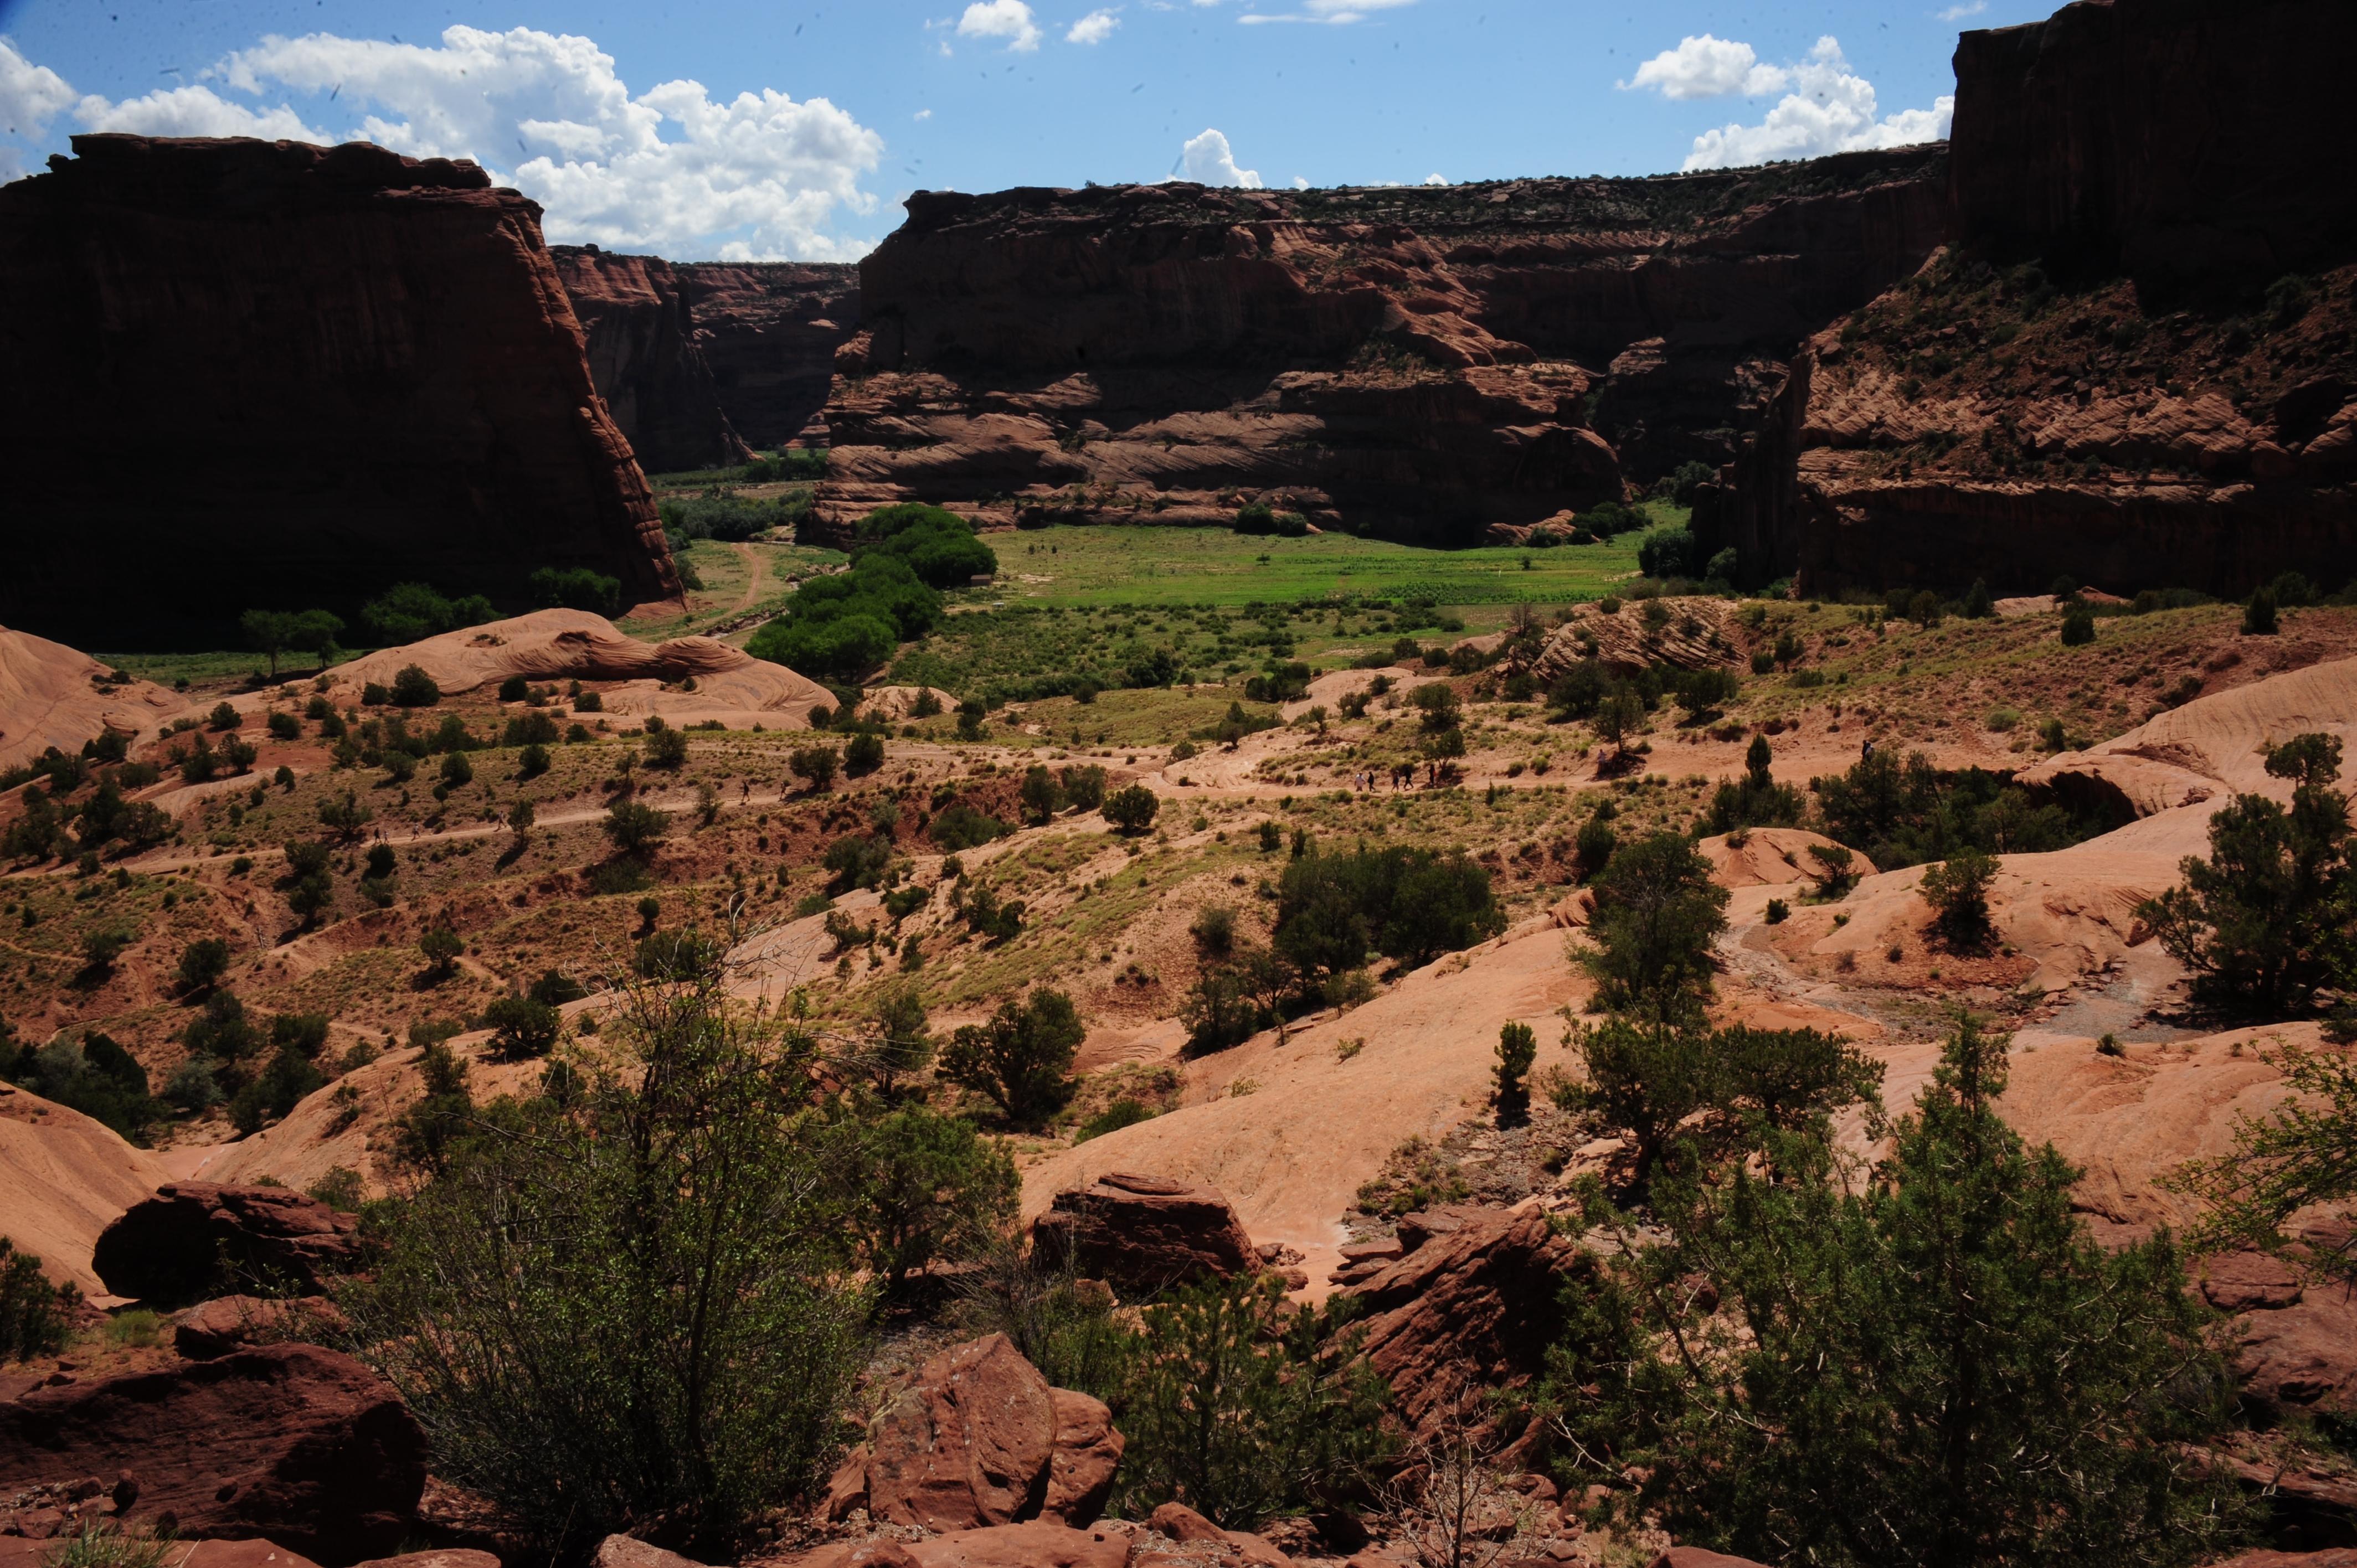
1958, 13
1830, 109
1706, 67
1208, 160
1009, 19
1336, 12
1094, 28
756, 177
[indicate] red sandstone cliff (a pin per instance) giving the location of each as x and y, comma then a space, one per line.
1414, 363
646, 361
769, 330
249, 374
2181, 141
2178, 412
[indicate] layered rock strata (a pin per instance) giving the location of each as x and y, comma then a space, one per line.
272, 374
1416, 363
646, 361
768, 331
2135, 365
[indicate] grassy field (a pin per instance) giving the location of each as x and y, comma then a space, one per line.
1081, 566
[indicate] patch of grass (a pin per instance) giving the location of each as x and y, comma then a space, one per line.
1148, 566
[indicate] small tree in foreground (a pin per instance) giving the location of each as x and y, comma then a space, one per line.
1938, 1366
1957, 889
1241, 1408
630, 1306
36, 1317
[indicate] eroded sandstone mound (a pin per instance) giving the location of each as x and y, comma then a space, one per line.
272, 374
51, 695
64, 1178
688, 679
1411, 362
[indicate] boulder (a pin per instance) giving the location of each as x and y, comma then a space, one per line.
630, 1552
980, 1439
1176, 1522
444, 1557
1038, 1544
1081, 1465
1144, 1234
1476, 1306
302, 1445
192, 1235
229, 1323
1696, 1557
2337, 1557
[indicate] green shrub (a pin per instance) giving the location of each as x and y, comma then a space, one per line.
1934, 1365
37, 1319
1658, 915
1132, 809
1123, 1113
1022, 1058
2078, 626
635, 828
664, 747
411, 612
2264, 923
2259, 614
846, 624
1957, 888
576, 589
1666, 552
1406, 904
414, 688
633, 1302
523, 1025
958, 826
925, 1186
1245, 1409
937, 545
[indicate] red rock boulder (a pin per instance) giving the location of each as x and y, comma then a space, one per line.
229, 1323
194, 1236
1475, 1307
1144, 1235
980, 1439
1040, 1543
301, 1445
1696, 1557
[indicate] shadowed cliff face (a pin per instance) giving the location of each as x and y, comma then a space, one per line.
769, 330
646, 361
2137, 364
1416, 363
256, 374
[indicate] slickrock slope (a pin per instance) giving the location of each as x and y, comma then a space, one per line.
51, 695
257, 373
769, 330
1418, 363
646, 361
2180, 411
64, 1178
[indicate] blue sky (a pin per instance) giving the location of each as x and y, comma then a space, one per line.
789, 130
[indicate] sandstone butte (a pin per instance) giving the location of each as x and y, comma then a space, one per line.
337, 368
2094, 377
1409, 363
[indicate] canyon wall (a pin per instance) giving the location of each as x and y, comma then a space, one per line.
2136, 362
2181, 141
270, 374
769, 330
646, 361
1418, 363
